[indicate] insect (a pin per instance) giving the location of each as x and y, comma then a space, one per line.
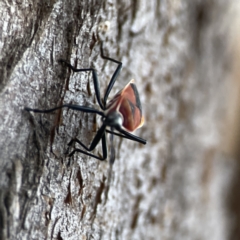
122, 113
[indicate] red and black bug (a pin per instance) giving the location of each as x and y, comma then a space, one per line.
122, 113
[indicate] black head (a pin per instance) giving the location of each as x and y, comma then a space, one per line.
113, 119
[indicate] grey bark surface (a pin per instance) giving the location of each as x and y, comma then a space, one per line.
183, 184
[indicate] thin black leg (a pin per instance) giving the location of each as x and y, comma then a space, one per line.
71, 106
95, 80
128, 135
118, 134
114, 76
100, 135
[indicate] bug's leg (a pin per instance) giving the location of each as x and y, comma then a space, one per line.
71, 106
114, 76
100, 135
128, 135
95, 80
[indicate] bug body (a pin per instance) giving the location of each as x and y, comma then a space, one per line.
122, 113
128, 104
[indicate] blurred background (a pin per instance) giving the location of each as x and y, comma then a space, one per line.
184, 57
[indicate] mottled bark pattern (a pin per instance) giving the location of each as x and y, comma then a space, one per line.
182, 184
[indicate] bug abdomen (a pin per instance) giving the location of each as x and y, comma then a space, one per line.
131, 115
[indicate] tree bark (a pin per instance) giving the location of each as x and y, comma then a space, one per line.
182, 184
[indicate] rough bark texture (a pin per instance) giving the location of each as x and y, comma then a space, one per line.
181, 185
